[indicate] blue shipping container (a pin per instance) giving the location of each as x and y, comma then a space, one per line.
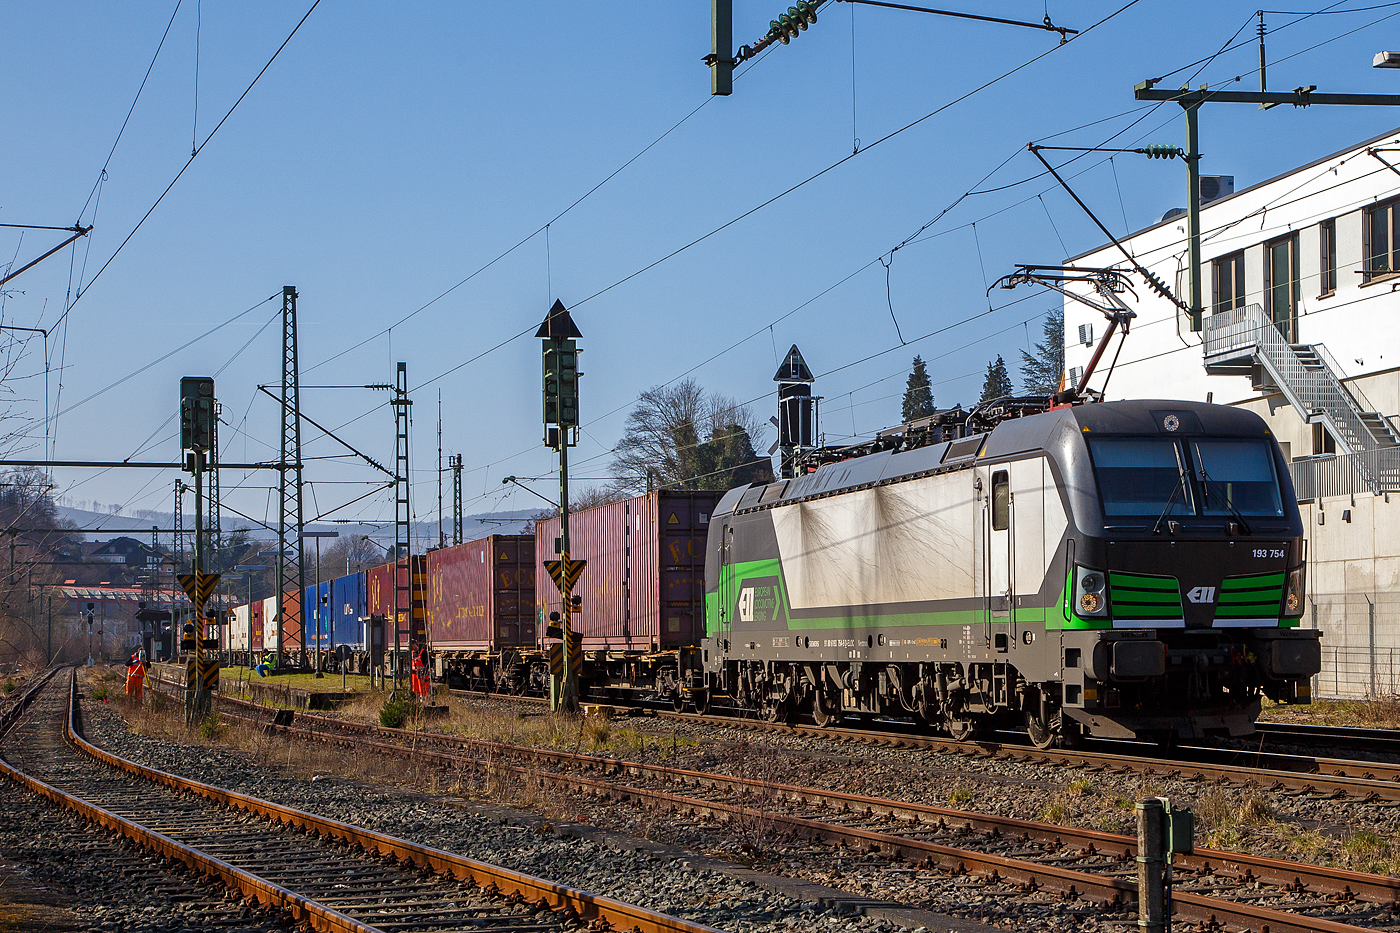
349, 604
316, 606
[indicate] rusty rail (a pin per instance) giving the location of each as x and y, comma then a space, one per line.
564, 900
1069, 883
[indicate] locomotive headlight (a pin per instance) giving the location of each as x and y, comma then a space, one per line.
1294, 592
1090, 600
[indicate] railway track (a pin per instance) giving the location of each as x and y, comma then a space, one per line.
1233, 889
1378, 780
1383, 741
326, 874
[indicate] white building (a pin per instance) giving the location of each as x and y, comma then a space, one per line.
1302, 326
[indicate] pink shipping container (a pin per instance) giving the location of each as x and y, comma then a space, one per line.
643, 588
481, 594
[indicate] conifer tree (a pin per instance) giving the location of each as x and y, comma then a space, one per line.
1041, 372
918, 397
997, 383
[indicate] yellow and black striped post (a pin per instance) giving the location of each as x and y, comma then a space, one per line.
565, 573
199, 586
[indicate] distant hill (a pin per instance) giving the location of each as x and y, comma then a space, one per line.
103, 526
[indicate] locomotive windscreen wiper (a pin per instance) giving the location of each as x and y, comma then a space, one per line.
1205, 491
1171, 500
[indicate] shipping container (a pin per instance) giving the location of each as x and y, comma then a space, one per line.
481, 594
643, 587
316, 616
291, 625
239, 630
349, 606
255, 625
380, 582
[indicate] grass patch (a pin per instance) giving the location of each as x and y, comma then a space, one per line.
960, 797
9, 686
101, 692
1081, 787
1053, 813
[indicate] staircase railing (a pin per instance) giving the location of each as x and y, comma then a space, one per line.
1316, 393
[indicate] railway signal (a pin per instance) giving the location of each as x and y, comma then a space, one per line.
560, 377
197, 413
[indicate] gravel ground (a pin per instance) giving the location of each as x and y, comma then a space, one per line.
669, 886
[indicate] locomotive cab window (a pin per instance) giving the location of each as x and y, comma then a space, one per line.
1001, 501
1140, 476
1236, 475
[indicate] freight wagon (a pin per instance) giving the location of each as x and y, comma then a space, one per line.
643, 588
481, 614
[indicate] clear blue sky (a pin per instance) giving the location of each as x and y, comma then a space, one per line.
394, 149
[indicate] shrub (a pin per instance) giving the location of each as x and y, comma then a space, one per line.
211, 728
101, 693
395, 712
9, 686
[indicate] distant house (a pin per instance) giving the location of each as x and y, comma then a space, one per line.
127, 551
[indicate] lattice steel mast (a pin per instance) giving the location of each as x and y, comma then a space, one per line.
403, 517
291, 577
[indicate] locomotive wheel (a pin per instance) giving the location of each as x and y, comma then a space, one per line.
824, 709
960, 729
781, 711
1043, 734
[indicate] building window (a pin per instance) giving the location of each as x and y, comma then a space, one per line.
1229, 282
1281, 286
1327, 256
1322, 442
1382, 251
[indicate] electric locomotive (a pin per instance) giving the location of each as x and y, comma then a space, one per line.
1120, 569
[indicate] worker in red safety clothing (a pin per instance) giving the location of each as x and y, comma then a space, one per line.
422, 683
135, 676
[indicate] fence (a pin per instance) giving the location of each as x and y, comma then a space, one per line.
1360, 644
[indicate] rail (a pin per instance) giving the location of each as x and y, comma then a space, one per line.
564, 900
1034, 875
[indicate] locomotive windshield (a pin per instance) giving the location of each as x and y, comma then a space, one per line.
1140, 476
1160, 476
1236, 475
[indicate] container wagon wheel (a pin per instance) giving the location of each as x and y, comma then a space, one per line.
701, 699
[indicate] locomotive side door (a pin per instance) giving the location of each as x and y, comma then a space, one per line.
998, 562
726, 581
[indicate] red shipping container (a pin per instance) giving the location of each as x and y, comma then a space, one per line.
643, 588
382, 595
481, 594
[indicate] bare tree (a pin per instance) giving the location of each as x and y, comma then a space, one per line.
354, 553
681, 438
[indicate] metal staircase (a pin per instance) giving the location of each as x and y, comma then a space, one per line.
1239, 339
